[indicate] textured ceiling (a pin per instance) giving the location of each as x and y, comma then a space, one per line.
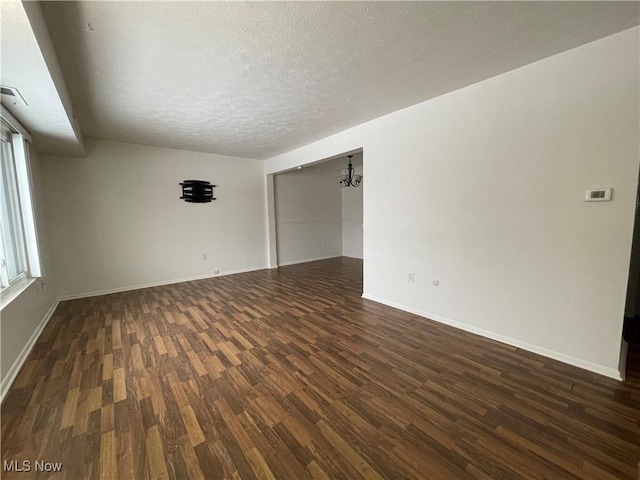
256, 79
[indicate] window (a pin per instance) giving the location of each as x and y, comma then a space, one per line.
19, 261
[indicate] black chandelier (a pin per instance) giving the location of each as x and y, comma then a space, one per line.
348, 177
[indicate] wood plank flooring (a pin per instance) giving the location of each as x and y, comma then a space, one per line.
289, 374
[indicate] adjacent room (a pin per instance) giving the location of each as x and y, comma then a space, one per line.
316, 216
290, 240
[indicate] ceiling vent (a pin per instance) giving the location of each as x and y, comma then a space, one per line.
11, 96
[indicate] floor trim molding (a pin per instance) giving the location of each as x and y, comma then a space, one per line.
307, 260
576, 362
156, 284
7, 381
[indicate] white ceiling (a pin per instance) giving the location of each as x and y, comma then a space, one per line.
255, 79
29, 64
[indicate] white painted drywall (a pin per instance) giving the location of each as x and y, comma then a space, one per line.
272, 250
21, 318
308, 215
483, 189
117, 220
352, 217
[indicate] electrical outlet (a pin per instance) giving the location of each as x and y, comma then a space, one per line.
204, 256
410, 277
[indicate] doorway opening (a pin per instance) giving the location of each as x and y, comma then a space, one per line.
315, 218
631, 326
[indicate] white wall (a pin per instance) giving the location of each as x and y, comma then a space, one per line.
483, 189
21, 319
352, 216
117, 220
308, 215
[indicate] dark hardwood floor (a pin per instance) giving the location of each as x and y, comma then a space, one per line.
289, 374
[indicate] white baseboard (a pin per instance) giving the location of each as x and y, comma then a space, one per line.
156, 284
307, 260
576, 362
7, 381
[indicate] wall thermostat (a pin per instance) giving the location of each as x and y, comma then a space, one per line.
599, 195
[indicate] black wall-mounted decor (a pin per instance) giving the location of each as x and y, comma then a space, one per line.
197, 191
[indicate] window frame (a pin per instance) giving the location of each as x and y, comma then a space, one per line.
13, 223
21, 214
